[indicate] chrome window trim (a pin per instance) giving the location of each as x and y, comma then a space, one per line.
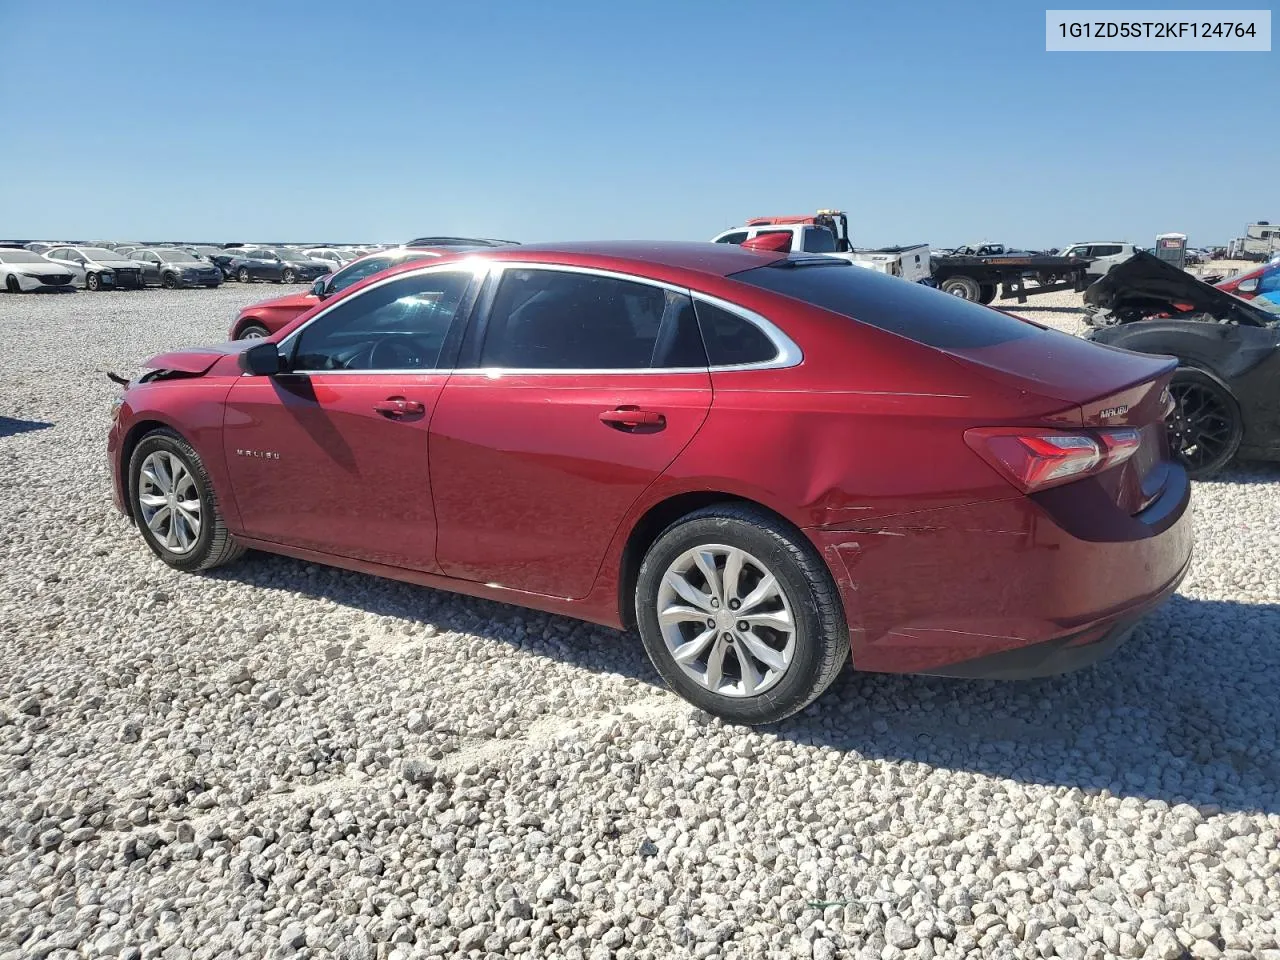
788, 355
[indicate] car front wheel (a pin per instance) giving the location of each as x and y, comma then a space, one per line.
91, 282
740, 615
243, 275
174, 505
251, 331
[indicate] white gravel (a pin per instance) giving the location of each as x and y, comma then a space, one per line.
286, 760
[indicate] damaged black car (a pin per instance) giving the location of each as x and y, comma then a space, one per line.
1226, 391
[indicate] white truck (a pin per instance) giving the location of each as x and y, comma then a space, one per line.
1261, 241
827, 232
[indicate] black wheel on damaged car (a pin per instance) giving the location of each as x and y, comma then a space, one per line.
243, 275
169, 281
1205, 427
987, 293
11, 284
174, 506
966, 288
740, 615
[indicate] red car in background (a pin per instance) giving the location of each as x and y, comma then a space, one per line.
1264, 281
766, 463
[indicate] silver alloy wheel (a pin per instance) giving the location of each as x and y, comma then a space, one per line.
726, 620
253, 333
169, 501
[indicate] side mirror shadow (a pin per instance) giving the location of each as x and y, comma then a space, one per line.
261, 360
320, 288
1248, 286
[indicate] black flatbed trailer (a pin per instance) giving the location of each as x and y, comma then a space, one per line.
981, 278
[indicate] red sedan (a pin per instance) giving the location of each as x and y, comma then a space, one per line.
764, 462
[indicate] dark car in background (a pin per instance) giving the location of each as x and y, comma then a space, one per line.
171, 268
274, 263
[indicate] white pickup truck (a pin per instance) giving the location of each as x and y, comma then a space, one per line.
827, 232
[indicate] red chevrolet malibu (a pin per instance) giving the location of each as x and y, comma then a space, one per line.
765, 463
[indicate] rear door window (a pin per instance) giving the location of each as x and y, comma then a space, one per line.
736, 237
907, 309
560, 320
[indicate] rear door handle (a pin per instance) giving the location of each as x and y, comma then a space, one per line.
628, 418
398, 407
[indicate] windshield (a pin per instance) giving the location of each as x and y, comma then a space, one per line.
20, 256
290, 254
177, 256
100, 253
208, 251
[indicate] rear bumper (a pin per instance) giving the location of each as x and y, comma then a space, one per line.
1005, 589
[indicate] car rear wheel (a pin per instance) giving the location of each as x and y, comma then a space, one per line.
290, 276
987, 293
1206, 427
91, 282
174, 506
252, 331
11, 284
740, 615
243, 275
966, 288
169, 281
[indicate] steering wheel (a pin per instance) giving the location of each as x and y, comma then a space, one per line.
399, 351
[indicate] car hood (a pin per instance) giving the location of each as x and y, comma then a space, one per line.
40, 269
1145, 278
295, 301
197, 360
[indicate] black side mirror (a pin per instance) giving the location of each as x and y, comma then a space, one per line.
261, 360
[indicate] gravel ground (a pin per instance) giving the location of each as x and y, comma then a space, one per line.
286, 760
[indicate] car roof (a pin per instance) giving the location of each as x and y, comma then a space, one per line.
659, 257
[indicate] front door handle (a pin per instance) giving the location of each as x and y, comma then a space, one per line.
398, 407
630, 418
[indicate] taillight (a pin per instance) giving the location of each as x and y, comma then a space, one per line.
1039, 459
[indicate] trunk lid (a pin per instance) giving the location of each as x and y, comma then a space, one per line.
1107, 390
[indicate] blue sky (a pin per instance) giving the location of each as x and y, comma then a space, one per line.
939, 122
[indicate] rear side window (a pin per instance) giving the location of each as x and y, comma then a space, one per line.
557, 320
732, 340
1106, 250
737, 237
819, 240
907, 309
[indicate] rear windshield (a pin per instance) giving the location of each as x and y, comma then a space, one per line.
908, 309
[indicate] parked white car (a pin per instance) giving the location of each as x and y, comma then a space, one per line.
1105, 254
22, 271
96, 268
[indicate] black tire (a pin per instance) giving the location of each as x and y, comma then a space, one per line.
169, 281
289, 276
251, 331
966, 288
987, 293
214, 546
11, 284
821, 630
92, 282
1206, 427
243, 275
